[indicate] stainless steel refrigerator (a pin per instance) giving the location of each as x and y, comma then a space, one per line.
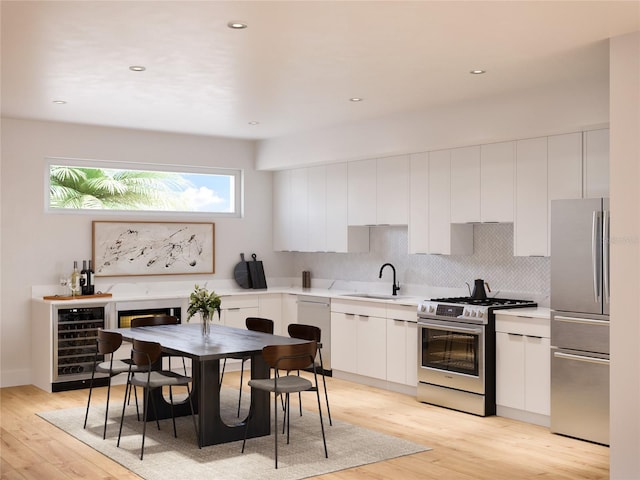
580, 318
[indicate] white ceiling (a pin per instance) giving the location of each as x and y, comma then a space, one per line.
296, 65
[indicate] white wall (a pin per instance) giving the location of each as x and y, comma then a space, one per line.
37, 247
625, 257
549, 110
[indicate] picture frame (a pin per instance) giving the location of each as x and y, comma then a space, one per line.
152, 248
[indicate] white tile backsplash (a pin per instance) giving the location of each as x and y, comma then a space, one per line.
492, 260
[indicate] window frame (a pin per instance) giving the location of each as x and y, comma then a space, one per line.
236, 173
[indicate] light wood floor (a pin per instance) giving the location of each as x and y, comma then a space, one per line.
465, 447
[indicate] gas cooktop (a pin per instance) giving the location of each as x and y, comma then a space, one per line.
487, 302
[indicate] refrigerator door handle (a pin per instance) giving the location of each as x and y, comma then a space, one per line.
581, 358
605, 254
584, 321
594, 256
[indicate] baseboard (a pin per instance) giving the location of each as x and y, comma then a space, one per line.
523, 416
376, 382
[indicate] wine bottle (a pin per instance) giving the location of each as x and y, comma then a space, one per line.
90, 280
75, 279
83, 278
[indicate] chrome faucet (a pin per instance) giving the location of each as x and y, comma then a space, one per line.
395, 286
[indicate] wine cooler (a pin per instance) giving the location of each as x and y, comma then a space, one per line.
75, 334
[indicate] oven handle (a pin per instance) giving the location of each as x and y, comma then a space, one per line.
474, 331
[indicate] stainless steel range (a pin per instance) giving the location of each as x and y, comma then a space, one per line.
457, 352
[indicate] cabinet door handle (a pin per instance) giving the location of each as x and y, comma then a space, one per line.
515, 334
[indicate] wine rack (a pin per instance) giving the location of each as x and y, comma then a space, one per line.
77, 331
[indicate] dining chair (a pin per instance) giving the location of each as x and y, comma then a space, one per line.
255, 324
143, 356
309, 333
106, 344
155, 320
287, 358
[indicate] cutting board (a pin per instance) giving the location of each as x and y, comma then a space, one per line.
241, 273
256, 271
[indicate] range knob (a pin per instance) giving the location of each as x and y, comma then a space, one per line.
423, 308
480, 314
473, 313
432, 309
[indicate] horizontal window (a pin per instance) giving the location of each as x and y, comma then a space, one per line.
80, 186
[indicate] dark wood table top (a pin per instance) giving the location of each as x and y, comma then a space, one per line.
187, 340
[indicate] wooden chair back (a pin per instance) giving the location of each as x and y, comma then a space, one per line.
257, 324
145, 354
154, 320
290, 357
305, 332
108, 342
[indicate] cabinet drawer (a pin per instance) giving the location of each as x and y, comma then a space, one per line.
402, 312
239, 301
354, 307
523, 325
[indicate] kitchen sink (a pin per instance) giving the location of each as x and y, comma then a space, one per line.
376, 296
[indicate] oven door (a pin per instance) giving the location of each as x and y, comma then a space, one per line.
451, 354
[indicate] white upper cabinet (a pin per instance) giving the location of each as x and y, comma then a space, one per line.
282, 222
564, 161
444, 237
596, 163
317, 209
465, 185
392, 190
299, 210
362, 186
497, 164
378, 191
338, 235
310, 211
531, 211
439, 201
419, 203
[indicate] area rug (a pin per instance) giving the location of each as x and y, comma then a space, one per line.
179, 458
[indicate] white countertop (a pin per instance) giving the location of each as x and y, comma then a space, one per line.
316, 292
534, 312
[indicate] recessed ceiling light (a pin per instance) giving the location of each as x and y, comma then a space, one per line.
477, 72
137, 68
254, 123
59, 102
356, 99
237, 25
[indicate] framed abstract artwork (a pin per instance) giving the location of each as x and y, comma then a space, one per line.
153, 248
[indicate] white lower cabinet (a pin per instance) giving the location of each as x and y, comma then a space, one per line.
289, 313
270, 306
523, 367
402, 346
371, 346
236, 309
359, 338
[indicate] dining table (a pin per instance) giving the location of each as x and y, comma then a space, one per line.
205, 352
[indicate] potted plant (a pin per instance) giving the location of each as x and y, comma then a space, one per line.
206, 303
